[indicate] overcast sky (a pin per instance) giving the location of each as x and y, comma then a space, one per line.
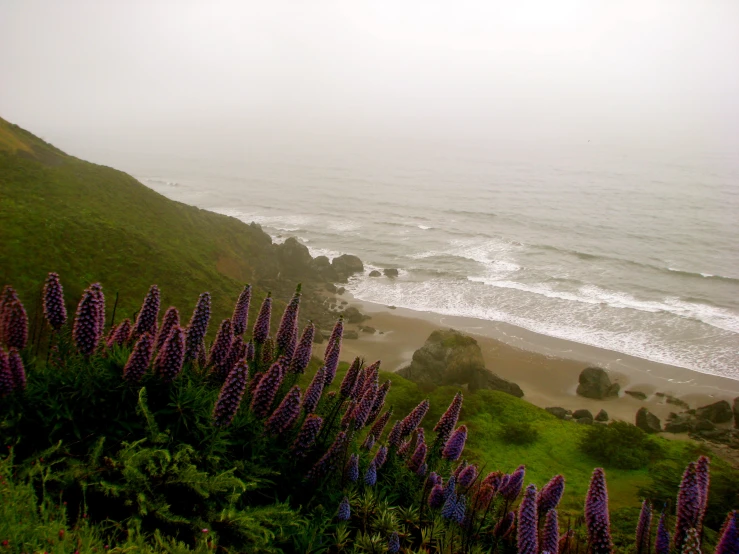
189, 76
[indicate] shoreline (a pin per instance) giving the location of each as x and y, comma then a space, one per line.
546, 368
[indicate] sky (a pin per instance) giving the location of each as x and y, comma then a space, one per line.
212, 78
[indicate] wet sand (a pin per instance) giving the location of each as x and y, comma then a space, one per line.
546, 368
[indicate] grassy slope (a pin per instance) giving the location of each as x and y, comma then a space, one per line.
93, 223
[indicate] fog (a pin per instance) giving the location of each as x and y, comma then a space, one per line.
218, 79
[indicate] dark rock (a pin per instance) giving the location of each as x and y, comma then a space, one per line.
340, 290
451, 358
736, 412
353, 315
295, 259
367, 329
350, 334
595, 383
602, 416
677, 402
679, 424
717, 435
700, 424
390, 272
636, 394
577, 414
346, 265
584, 420
344, 302
375, 273
718, 412
647, 421
330, 287
557, 412
392, 307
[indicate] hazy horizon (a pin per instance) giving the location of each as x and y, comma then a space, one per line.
220, 81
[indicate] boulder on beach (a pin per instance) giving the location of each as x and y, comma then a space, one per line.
718, 412
556, 411
346, 265
647, 421
602, 416
636, 394
579, 414
353, 315
595, 383
375, 273
451, 358
390, 272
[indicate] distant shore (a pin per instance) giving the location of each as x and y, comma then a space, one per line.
546, 368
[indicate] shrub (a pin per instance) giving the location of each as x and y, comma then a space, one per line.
519, 432
620, 445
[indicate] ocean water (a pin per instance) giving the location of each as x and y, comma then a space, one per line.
633, 251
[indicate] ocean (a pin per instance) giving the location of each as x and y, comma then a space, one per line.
632, 251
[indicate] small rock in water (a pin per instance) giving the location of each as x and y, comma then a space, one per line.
375, 273
390, 272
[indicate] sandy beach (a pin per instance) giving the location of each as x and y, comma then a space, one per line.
546, 368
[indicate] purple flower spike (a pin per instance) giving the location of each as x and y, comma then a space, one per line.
370, 476
485, 496
314, 391
329, 460
403, 449
241, 312
221, 345
450, 504
6, 375
413, 419
261, 325
15, 324
379, 425
450, 487
307, 435
120, 335
436, 497
380, 456
287, 332
644, 528
303, 351
336, 334
352, 468
394, 438
728, 541
285, 415
379, 401
146, 321
467, 476
505, 526
236, 353
363, 408
15, 362
550, 534
138, 361
170, 321
97, 290
361, 377
331, 363
393, 543
459, 510
197, 327
703, 476
596, 514
345, 511
349, 381
448, 420
662, 542
250, 353
692, 543
372, 375
54, 309
267, 353
551, 494
418, 458
264, 394
688, 505
168, 363
455, 445
86, 331
528, 535
514, 484
369, 442
421, 471
230, 396
348, 415
6, 299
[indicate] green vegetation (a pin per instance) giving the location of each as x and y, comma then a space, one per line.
519, 433
620, 445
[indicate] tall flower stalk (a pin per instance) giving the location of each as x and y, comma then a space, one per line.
596, 514
170, 320
314, 391
54, 309
728, 540
261, 325
86, 331
285, 415
528, 534
240, 317
221, 345
307, 435
264, 394
689, 502
14, 322
168, 363
448, 420
287, 332
230, 396
303, 351
551, 494
6, 375
197, 327
455, 445
15, 363
146, 320
550, 534
644, 528
662, 541
138, 361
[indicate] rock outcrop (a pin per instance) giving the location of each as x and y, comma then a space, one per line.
636, 394
602, 416
556, 411
449, 357
718, 412
375, 273
390, 272
580, 414
595, 383
346, 265
647, 421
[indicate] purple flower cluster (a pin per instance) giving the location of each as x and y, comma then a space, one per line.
86, 331
267, 353
54, 309
13, 321
348, 414
379, 426
15, 362
364, 407
197, 327
485, 495
455, 445
236, 353
419, 457
241, 312
380, 456
528, 534
393, 543
97, 290
394, 438
728, 541
703, 476
230, 396
120, 335
333, 350
369, 442
550, 534
505, 526
413, 419
352, 468
303, 351
511, 487
6, 375
250, 352
345, 511
221, 346
448, 420
314, 391
287, 332
662, 541
348, 383
644, 528
689, 500
146, 321
436, 497
168, 363
328, 461
285, 415
467, 476
138, 361
596, 514
264, 394
692, 543
260, 332
551, 494
307, 435
370, 476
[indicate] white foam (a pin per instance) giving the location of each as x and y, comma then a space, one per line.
424, 227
